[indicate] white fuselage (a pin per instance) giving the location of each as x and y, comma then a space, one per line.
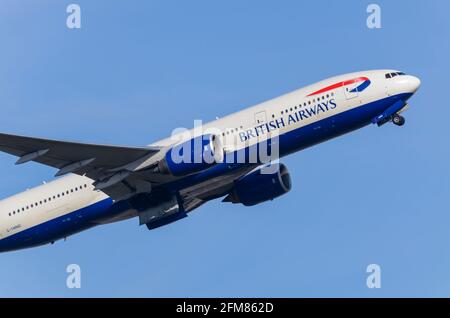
46, 202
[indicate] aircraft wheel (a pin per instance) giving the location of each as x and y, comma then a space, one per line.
398, 120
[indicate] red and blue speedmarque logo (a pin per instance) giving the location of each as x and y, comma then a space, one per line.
365, 82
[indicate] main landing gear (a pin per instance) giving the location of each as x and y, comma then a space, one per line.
398, 120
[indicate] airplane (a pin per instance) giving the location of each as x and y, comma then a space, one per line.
165, 181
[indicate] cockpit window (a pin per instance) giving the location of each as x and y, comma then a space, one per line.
391, 75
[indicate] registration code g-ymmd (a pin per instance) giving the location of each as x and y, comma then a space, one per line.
246, 307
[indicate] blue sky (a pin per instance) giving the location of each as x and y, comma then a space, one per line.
138, 69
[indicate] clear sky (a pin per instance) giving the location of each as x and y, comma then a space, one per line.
137, 69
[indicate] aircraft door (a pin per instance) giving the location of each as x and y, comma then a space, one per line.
260, 117
350, 90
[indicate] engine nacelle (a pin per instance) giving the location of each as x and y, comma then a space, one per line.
192, 156
261, 185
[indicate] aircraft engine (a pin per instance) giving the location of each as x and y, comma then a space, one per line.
264, 184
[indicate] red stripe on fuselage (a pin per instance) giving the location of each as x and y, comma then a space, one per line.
340, 84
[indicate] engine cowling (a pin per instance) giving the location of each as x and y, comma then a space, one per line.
192, 156
261, 185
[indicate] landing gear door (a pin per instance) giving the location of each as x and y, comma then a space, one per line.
350, 90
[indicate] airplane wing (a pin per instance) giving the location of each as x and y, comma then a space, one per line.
98, 162
118, 171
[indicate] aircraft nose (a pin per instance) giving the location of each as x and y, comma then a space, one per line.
414, 83
405, 84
